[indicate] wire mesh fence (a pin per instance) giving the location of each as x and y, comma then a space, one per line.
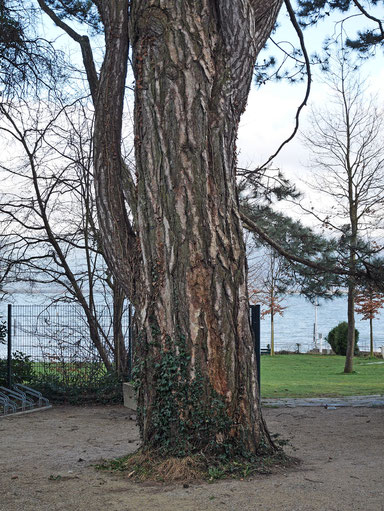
57, 344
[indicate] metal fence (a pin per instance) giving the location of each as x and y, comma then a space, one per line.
56, 340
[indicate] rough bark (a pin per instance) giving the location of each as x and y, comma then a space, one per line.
183, 264
193, 63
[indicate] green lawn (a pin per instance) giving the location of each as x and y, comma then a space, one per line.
315, 375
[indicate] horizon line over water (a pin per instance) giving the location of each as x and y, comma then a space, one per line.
295, 326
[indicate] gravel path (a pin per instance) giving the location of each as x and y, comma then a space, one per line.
47, 458
328, 402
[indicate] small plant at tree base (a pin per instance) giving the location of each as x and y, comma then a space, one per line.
338, 339
191, 438
144, 466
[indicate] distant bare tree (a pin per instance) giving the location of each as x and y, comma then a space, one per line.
368, 302
267, 289
345, 141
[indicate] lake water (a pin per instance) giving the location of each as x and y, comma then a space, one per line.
296, 326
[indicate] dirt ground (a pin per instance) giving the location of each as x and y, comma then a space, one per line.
342, 453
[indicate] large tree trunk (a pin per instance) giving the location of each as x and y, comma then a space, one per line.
193, 63
182, 260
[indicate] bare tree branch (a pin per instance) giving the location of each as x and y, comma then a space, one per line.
85, 46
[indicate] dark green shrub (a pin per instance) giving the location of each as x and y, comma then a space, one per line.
106, 389
3, 373
22, 369
338, 339
72, 383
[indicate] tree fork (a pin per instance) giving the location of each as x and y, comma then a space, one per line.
183, 264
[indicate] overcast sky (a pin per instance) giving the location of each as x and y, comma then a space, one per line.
269, 117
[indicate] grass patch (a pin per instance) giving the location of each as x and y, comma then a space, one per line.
143, 466
319, 375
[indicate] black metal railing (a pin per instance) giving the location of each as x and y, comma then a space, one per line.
55, 341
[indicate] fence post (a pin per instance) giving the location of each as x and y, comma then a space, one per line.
255, 326
9, 354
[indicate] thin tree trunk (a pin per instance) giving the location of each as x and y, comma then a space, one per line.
118, 237
76, 289
371, 335
272, 306
120, 351
348, 368
353, 217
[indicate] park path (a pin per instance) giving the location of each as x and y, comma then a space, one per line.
48, 459
372, 401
